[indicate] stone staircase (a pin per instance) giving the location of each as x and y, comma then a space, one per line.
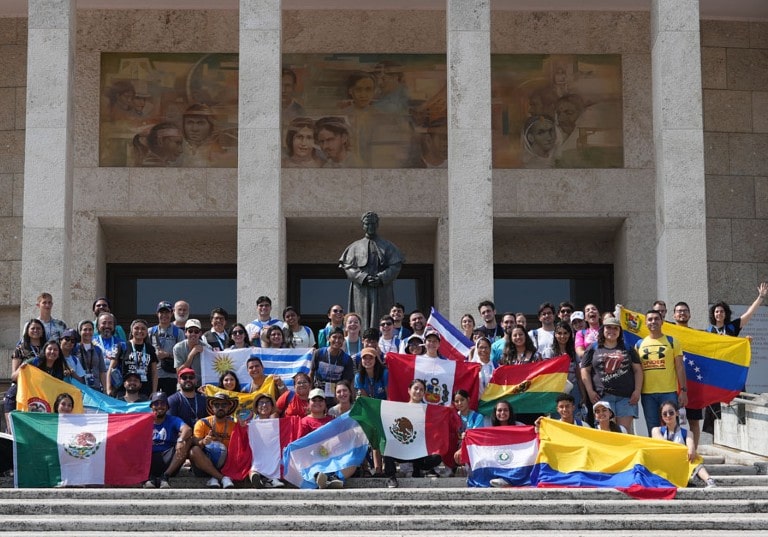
419, 507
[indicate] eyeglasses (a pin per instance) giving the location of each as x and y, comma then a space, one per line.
385, 324
566, 310
187, 377
67, 338
668, 413
238, 333
193, 331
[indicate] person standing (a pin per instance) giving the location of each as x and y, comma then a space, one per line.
164, 336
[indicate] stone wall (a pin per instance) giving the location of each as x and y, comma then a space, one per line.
13, 74
734, 67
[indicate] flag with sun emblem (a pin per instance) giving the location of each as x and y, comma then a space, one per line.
506, 452
283, 363
338, 444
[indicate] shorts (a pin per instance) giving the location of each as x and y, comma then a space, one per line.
621, 406
694, 413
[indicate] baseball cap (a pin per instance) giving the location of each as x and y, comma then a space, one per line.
317, 392
577, 315
164, 305
193, 323
186, 371
158, 396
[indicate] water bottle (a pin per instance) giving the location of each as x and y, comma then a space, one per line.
683, 418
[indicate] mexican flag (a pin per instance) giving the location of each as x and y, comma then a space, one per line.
407, 431
442, 377
81, 449
258, 445
529, 388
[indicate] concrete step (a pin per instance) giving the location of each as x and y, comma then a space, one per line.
422, 522
314, 505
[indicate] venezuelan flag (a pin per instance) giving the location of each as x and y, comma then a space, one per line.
529, 388
716, 366
573, 456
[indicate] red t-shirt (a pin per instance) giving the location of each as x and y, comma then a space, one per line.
309, 424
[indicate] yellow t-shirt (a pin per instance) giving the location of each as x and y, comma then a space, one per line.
657, 356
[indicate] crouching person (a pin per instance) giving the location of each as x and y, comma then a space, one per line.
170, 444
211, 441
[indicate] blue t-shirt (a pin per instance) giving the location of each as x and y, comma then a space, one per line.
165, 435
376, 389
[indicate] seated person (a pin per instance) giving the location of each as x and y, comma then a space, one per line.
188, 404
131, 391
209, 450
170, 436
295, 402
605, 418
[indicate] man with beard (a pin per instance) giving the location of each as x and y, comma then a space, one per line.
110, 344
170, 444
180, 313
497, 348
209, 451
187, 353
187, 404
418, 323
131, 392
102, 305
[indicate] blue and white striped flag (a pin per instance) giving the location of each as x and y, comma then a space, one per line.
284, 363
338, 444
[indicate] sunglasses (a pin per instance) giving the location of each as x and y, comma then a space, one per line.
193, 331
219, 405
385, 324
668, 413
67, 339
238, 333
188, 377
566, 311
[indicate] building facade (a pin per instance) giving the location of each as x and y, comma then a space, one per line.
683, 219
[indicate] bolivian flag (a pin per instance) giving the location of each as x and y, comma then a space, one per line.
529, 388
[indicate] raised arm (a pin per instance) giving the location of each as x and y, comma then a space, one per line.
762, 291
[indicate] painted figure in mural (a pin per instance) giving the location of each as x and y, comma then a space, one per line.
300, 144
361, 87
291, 109
332, 135
201, 145
121, 95
539, 142
569, 110
161, 147
372, 265
434, 145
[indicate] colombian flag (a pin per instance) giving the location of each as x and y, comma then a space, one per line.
573, 456
716, 366
529, 388
38, 391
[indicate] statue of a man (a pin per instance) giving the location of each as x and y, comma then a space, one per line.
372, 265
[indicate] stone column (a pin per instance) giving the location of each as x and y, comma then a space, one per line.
470, 207
47, 221
681, 248
260, 223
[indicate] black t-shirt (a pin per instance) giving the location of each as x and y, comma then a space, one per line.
138, 359
611, 369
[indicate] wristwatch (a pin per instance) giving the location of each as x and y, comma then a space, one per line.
684, 389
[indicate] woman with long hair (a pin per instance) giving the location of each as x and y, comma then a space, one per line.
30, 346
238, 337
50, 360
563, 344
139, 357
353, 343
229, 381
345, 398
519, 348
604, 418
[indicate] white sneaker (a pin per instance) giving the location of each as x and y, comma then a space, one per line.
149, 484
271, 483
226, 482
321, 479
213, 483
499, 482
711, 483
335, 483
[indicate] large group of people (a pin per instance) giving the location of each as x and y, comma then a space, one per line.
607, 378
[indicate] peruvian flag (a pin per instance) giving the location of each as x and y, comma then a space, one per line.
442, 377
258, 446
81, 449
453, 344
408, 431
506, 452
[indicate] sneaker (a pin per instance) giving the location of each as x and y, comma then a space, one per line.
226, 482
213, 483
321, 479
268, 483
165, 482
392, 483
150, 484
499, 482
431, 473
257, 480
335, 483
711, 483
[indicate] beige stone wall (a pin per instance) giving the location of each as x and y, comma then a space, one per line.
734, 66
13, 74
